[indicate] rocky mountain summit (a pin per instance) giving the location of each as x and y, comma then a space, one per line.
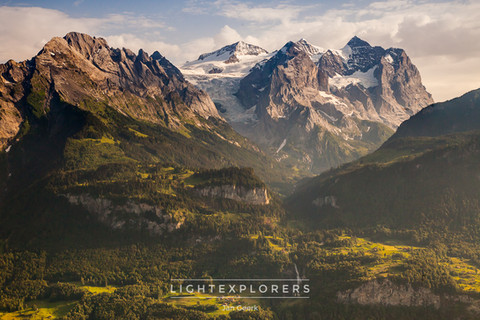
79, 69
317, 108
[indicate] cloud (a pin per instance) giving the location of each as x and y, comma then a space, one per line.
191, 50
227, 35
24, 30
135, 43
248, 12
196, 7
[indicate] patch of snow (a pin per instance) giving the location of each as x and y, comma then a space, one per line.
328, 116
344, 53
239, 69
222, 86
309, 48
333, 99
389, 58
366, 79
316, 57
326, 95
282, 145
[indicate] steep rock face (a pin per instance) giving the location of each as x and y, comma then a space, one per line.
10, 121
131, 215
12, 75
389, 294
394, 86
80, 69
286, 78
257, 196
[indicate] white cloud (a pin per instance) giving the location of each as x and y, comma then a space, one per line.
244, 11
226, 36
191, 50
135, 43
24, 30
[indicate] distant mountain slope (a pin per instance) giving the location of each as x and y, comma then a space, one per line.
314, 108
456, 115
424, 178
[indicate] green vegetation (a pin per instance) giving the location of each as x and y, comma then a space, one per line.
235, 176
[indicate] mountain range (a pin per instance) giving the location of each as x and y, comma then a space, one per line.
309, 107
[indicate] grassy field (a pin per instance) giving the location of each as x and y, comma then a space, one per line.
391, 255
465, 274
41, 309
45, 309
97, 290
276, 243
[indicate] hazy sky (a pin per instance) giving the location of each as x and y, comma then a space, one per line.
441, 37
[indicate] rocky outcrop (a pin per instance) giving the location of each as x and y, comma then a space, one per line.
12, 76
84, 71
287, 80
258, 196
384, 81
389, 294
10, 121
130, 215
326, 201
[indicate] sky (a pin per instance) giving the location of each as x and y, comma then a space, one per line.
442, 38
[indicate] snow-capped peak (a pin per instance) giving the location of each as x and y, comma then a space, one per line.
303, 45
239, 48
308, 48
